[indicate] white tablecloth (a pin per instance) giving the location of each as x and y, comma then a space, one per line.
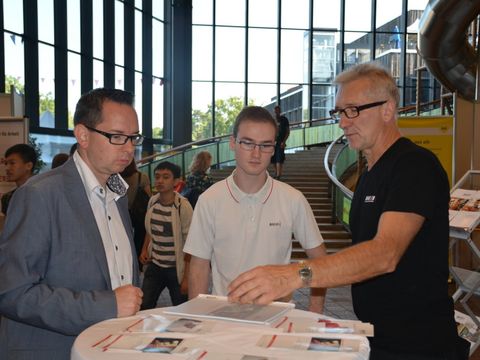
226, 337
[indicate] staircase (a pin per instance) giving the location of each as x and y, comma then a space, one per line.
304, 171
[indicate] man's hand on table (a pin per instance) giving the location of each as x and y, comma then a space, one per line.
129, 299
264, 284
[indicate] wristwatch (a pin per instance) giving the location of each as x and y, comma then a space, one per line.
305, 273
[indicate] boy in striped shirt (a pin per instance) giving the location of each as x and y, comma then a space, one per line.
167, 222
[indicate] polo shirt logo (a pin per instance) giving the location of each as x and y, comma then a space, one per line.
370, 198
275, 224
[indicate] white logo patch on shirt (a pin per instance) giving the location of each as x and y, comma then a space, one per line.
370, 198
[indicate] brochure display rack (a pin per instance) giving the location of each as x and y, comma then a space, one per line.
464, 217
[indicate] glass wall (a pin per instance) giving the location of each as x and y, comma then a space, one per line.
265, 52
262, 52
69, 47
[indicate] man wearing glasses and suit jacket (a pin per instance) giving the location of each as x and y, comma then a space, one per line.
66, 252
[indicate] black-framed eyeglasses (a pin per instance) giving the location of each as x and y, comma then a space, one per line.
119, 139
353, 111
250, 146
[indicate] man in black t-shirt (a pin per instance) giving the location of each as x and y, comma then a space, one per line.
399, 222
278, 157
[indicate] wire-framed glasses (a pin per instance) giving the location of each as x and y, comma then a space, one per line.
353, 111
119, 139
250, 146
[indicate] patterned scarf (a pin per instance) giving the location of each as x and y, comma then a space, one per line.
116, 184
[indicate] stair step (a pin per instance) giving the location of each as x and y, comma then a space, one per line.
335, 235
322, 213
331, 227
307, 182
317, 206
332, 244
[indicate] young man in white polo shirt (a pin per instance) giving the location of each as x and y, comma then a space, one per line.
248, 219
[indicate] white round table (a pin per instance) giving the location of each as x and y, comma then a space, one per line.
224, 340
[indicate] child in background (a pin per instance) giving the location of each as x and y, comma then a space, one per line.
167, 222
20, 160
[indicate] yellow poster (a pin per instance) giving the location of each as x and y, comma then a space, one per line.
433, 133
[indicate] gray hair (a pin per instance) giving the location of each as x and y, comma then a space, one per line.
382, 83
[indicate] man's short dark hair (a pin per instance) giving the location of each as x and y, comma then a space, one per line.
59, 160
255, 114
89, 108
26, 152
73, 148
167, 165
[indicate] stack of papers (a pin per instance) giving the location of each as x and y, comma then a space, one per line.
218, 307
464, 209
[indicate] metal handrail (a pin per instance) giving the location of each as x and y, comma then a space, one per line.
330, 175
183, 147
145, 164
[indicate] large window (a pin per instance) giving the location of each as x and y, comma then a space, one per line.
262, 52
288, 52
69, 47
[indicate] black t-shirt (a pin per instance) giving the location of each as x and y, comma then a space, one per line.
283, 126
410, 307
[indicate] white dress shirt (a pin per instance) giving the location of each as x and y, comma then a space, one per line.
115, 239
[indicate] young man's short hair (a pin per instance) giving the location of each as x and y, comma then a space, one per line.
167, 165
256, 114
26, 152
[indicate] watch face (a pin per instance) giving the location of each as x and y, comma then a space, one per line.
305, 274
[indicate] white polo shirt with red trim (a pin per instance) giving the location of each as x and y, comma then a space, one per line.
238, 231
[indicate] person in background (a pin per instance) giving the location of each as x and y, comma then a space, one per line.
398, 264
59, 160
278, 157
73, 148
198, 180
138, 194
167, 222
248, 219
20, 160
66, 249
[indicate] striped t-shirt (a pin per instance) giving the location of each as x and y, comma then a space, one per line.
163, 247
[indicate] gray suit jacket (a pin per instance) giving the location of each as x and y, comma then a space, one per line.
54, 279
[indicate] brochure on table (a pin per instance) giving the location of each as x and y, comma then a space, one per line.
293, 324
218, 307
464, 209
309, 343
466, 328
210, 339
